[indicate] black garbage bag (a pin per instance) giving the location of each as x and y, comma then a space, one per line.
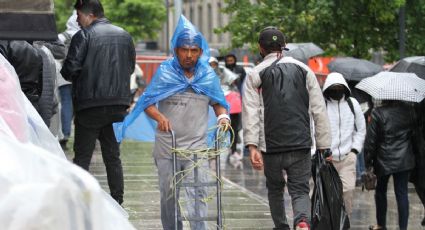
327, 209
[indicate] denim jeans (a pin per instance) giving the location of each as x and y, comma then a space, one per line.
96, 123
298, 169
165, 176
360, 166
401, 180
66, 109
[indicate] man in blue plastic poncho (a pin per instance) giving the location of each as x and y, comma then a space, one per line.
183, 89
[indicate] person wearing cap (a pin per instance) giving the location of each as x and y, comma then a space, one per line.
348, 128
100, 60
277, 110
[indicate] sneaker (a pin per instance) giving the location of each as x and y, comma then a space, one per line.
302, 226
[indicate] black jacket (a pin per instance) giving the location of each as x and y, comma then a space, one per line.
99, 63
28, 65
286, 105
388, 145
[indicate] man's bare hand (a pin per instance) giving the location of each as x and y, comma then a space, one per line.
256, 158
164, 124
224, 124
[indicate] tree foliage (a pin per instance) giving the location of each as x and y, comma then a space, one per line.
141, 18
349, 28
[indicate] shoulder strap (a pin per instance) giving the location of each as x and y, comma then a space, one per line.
350, 104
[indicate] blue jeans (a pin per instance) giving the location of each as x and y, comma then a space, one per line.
400, 188
66, 109
360, 166
298, 169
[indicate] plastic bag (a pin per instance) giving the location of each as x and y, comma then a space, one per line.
328, 210
19, 118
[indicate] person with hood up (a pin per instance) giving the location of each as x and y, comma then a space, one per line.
178, 99
348, 128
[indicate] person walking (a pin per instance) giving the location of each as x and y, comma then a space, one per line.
348, 128
65, 87
231, 64
100, 60
280, 97
183, 88
388, 149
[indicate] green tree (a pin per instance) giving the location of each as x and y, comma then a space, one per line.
346, 28
141, 18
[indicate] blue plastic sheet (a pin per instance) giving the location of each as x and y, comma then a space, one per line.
169, 80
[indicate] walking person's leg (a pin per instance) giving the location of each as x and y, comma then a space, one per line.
111, 157
275, 183
381, 200
84, 143
198, 193
165, 178
347, 172
401, 180
66, 110
298, 169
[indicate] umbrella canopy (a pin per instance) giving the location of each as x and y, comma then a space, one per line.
394, 86
302, 51
27, 20
414, 64
354, 69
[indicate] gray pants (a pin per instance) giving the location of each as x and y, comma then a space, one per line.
165, 173
298, 169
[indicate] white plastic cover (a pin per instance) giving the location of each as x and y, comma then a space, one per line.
39, 188
20, 119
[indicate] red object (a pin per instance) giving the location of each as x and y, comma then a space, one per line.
149, 65
235, 102
319, 65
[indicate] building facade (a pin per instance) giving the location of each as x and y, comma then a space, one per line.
206, 15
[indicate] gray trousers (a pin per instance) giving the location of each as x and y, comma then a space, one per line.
298, 169
165, 173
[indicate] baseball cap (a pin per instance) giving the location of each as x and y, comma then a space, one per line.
271, 37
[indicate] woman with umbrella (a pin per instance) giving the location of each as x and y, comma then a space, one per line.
389, 147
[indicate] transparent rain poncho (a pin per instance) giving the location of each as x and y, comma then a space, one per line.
170, 79
18, 118
39, 187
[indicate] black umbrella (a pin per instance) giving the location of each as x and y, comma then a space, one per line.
354, 69
27, 20
302, 51
414, 64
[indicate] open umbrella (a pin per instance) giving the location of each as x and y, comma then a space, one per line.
354, 69
302, 51
394, 86
414, 64
27, 20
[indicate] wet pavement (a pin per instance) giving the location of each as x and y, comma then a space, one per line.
244, 196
